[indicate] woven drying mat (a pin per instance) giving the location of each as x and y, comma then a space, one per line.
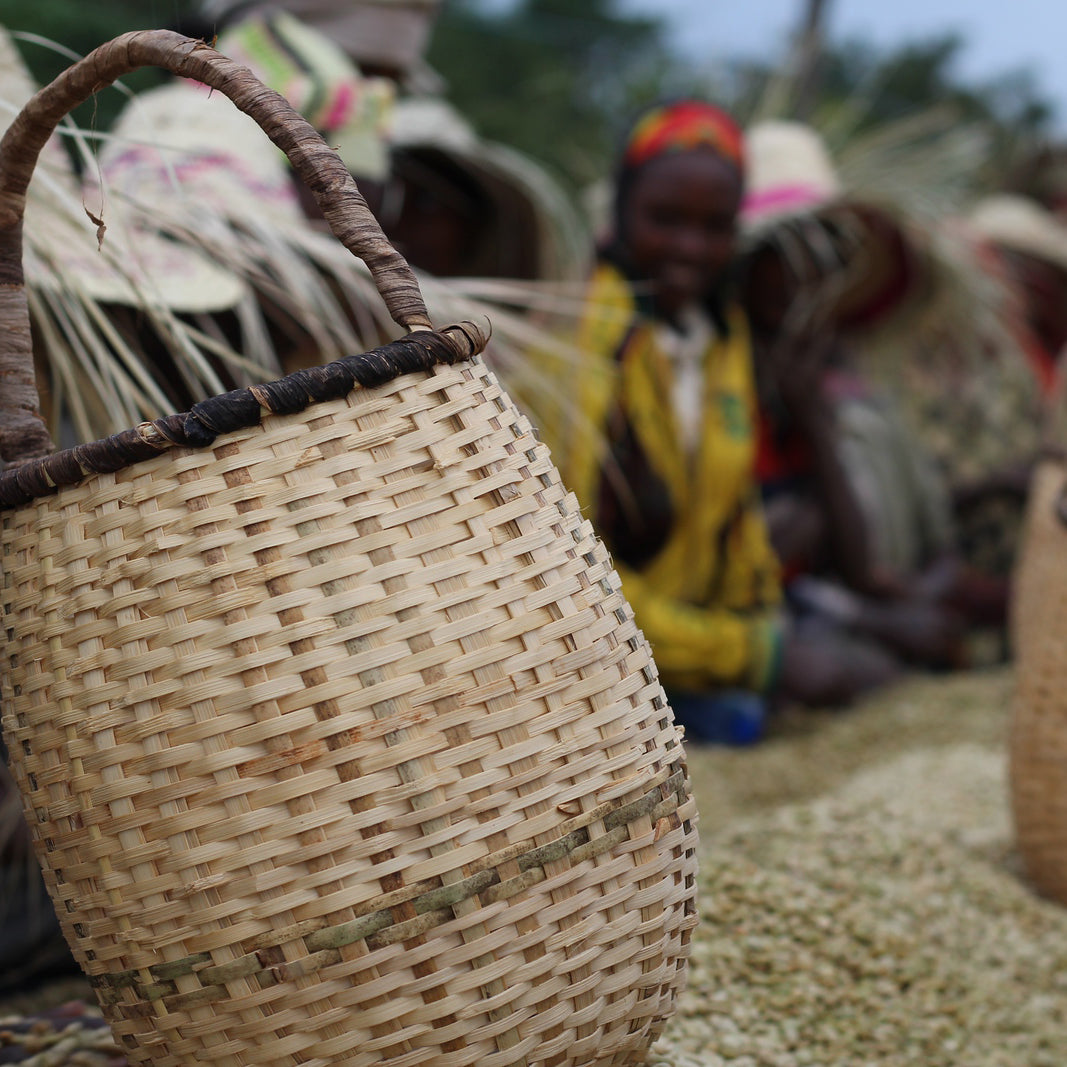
73, 1033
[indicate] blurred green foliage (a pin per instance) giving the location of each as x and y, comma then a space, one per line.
565, 75
559, 79
78, 27
554, 78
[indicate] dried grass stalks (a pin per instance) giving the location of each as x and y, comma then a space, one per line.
300, 297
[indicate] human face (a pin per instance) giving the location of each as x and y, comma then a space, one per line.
766, 291
679, 225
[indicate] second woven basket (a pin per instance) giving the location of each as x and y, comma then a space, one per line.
1038, 736
336, 735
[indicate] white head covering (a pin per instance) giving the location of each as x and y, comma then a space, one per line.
1022, 224
788, 172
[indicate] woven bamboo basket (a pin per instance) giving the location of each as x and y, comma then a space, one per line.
337, 738
1038, 737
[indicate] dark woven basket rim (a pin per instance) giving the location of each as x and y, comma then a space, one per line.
34, 470
420, 350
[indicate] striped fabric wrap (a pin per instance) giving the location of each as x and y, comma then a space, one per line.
682, 126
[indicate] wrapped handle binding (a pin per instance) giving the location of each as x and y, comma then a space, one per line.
23, 434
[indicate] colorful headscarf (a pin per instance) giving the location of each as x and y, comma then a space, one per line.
351, 111
681, 126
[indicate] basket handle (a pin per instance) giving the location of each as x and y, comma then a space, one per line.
23, 434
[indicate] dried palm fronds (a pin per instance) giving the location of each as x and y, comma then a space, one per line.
885, 253
924, 170
117, 344
918, 174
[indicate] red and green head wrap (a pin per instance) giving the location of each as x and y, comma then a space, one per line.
666, 129
681, 127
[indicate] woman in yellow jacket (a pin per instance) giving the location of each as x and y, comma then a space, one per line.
658, 434
672, 494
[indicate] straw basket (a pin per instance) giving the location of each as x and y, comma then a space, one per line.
336, 735
1038, 742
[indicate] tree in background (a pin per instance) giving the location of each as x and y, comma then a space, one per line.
556, 79
564, 75
559, 79
862, 88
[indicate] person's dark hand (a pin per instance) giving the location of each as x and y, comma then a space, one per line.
822, 667
798, 366
921, 632
1010, 483
796, 526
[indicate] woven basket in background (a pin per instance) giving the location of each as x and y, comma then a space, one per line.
336, 735
1038, 738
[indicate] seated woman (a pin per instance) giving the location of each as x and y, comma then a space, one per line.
1023, 247
858, 509
656, 433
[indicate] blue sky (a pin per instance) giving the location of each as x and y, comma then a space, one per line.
1001, 36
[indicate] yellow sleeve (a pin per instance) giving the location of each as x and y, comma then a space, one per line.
697, 647
578, 384
754, 565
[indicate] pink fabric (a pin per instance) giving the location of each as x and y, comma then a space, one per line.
783, 198
340, 107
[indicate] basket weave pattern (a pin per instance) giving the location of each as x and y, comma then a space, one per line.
1038, 742
341, 745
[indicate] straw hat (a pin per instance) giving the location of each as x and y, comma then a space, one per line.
861, 259
788, 172
309, 68
377, 34
123, 262
1021, 224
